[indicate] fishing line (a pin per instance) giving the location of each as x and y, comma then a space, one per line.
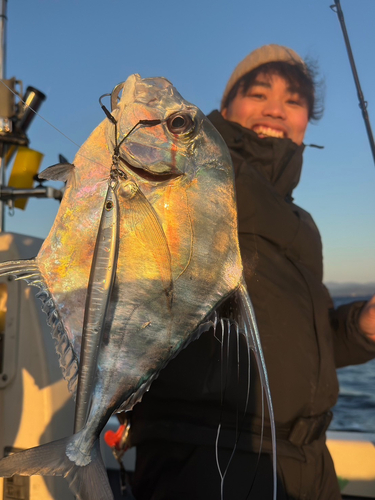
226, 334
249, 350
239, 425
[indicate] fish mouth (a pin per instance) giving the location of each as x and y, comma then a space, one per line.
269, 131
149, 176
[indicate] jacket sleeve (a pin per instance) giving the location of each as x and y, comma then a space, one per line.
350, 344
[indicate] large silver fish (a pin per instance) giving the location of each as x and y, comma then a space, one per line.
143, 250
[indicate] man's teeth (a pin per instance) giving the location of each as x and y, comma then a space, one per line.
269, 132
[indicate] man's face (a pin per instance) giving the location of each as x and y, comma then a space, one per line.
270, 109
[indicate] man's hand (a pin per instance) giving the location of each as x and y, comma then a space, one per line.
367, 319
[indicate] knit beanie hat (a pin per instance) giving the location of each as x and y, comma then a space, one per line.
263, 55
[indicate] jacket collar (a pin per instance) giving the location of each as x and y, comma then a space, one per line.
278, 160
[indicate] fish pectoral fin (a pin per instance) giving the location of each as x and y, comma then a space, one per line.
145, 223
58, 172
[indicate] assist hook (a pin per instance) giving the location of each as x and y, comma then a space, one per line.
115, 170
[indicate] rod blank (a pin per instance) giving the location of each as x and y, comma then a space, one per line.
362, 103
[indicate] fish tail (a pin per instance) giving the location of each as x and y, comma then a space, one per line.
88, 482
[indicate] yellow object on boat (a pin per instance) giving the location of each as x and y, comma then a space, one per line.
25, 166
353, 454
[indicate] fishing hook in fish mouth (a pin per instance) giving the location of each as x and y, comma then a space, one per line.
145, 123
179, 123
116, 157
116, 171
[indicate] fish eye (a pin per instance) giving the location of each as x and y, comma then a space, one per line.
180, 123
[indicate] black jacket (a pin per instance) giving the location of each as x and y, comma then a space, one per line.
303, 338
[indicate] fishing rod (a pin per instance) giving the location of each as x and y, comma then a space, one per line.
362, 103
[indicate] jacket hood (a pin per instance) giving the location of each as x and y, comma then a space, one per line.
278, 160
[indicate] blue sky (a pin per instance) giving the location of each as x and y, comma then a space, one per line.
76, 50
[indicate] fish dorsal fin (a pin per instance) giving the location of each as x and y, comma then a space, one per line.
23, 269
115, 95
29, 271
58, 172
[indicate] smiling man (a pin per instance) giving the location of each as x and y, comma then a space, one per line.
270, 107
266, 107
274, 98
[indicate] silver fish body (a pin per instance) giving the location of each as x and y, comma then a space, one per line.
127, 290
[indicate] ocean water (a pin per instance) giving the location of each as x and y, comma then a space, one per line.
355, 409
